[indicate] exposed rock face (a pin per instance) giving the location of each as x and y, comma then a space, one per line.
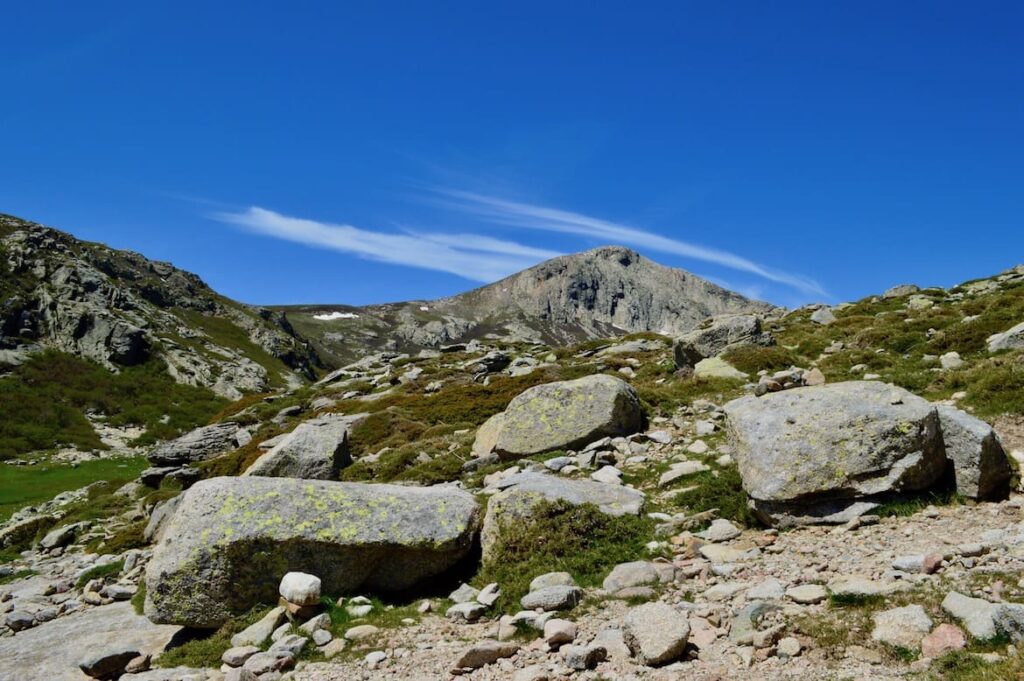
832, 445
979, 462
722, 335
522, 492
564, 415
317, 449
233, 539
196, 445
118, 309
604, 292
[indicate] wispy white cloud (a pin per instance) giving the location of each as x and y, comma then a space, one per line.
474, 257
529, 216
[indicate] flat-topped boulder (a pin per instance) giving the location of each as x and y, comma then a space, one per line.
231, 541
522, 492
833, 446
562, 415
316, 450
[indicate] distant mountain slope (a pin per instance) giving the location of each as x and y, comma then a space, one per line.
603, 292
121, 309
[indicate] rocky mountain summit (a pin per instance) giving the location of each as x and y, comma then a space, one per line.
605, 292
831, 492
121, 309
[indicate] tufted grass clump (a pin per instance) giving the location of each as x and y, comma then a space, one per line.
99, 572
721, 489
752, 359
558, 536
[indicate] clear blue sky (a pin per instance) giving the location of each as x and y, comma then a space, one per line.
363, 152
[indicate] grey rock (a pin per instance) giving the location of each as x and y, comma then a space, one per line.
656, 633
901, 290
626, 575
485, 652
203, 571
53, 651
1011, 339
833, 444
582, 658
158, 518
823, 316
62, 536
565, 415
467, 611
464, 594
902, 627
981, 466
236, 657
196, 445
1009, 621
258, 632
721, 335
552, 579
520, 494
550, 598
300, 588
108, 663
317, 449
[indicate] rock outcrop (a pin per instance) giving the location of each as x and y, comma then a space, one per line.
719, 336
981, 467
563, 415
232, 540
317, 449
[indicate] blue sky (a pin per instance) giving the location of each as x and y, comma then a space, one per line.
373, 151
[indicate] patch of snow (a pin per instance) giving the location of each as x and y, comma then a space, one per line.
328, 316
424, 308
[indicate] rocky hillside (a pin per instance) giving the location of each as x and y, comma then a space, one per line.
120, 309
600, 293
834, 492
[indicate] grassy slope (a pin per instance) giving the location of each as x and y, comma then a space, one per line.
29, 485
43, 403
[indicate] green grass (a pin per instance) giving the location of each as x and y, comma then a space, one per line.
139, 599
44, 400
19, 574
99, 572
206, 650
721, 489
580, 540
22, 486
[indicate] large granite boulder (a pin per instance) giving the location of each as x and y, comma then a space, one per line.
818, 454
317, 449
723, 334
972, 446
196, 445
522, 492
232, 540
563, 415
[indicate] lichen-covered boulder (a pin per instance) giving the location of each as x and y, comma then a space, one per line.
972, 446
807, 454
316, 450
232, 540
722, 335
564, 415
522, 492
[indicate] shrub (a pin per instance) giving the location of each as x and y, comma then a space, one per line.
99, 572
720, 489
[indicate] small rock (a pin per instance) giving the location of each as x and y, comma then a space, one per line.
360, 632
582, 658
236, 657
553, 598
109, 663
656, 633
788, 647
902, 627
945, 639
484, 653
807, 594
300, 588
558, 632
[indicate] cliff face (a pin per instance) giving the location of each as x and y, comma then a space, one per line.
120, 309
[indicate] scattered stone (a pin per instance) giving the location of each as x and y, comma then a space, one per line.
552, 579
300, 588
656, 633
469, 611
979, 461
361, 632
720, 530
823, 316
107, 664
901, 627
553, 598
807, 594
582, 658
945, 639
317, 449
256, 634
236, 657
484, 653
558, 632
